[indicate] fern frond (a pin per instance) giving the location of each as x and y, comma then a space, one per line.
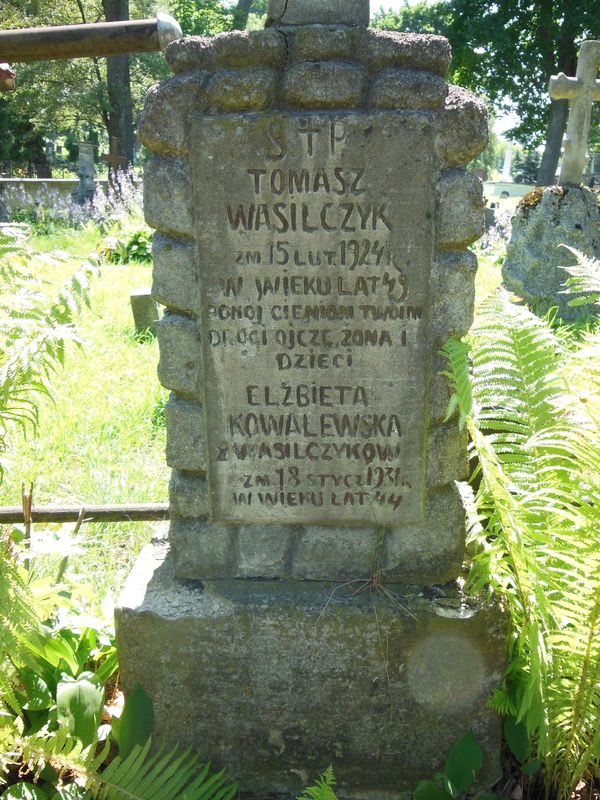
516, 373
535, 426
456, 352
323, 790
141, 776
584, 279
574, 737
34, 333
20, 626
59, 749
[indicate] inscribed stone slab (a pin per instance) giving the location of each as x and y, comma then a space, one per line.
315, 251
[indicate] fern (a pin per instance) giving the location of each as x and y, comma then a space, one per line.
457, 354
157, 777
140, 776
20, 626
584, 279
323, 790
34, 332
534, 422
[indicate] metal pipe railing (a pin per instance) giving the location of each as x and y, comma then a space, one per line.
143, 512
94, 40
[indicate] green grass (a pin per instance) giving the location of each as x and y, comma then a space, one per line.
489, 273
76, 241
102, 439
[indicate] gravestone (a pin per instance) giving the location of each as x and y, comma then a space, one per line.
114, 159
565, 214
85, 172
144, 309
313, 216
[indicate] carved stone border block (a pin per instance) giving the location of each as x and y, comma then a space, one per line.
175, 281
186, 438
180, 365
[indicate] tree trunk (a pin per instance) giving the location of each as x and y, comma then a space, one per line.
556, 130
120, 114
241, 13
559, 109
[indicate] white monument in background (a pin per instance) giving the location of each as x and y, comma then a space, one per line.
506, 176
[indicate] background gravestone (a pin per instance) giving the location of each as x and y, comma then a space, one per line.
85, 172
312, 214
145, 311
534, 264
566, 214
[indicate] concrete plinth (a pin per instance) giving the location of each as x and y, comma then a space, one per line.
275, 680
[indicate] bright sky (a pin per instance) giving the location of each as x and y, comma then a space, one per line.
388, 5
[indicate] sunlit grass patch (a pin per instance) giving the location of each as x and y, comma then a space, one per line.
100, 440
78, 241
489, 273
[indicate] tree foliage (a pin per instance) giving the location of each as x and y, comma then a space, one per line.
71, 97
20, 141
422, 17
507, 52
68, 96
202, 19
525, 166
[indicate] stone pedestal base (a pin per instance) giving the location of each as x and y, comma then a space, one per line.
276, 680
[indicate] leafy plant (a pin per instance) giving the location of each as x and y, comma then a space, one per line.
120, 216
34, 331
174, 776
53, 745
584, 279
463, 764
133, 728
323, 789
128, 245
517, 739
50, 713
52, 674
79, 706
531, 403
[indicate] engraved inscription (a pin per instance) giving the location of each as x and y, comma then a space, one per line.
315, 252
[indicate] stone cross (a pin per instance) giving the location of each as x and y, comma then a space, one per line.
84, 41
114, 159
582, 91
85, 171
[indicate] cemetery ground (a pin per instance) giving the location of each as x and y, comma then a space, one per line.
101, 436
101, 439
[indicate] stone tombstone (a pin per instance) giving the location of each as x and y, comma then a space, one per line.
313, 214
547, 218
145, 311
85, 172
